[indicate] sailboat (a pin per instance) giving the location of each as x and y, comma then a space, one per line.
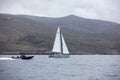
60, 49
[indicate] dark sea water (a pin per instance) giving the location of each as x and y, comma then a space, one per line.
77, 67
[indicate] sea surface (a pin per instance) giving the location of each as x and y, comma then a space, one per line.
77, 67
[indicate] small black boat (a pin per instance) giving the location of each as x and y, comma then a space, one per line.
23, 57
27, 57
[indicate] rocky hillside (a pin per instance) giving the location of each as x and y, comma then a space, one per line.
31, 34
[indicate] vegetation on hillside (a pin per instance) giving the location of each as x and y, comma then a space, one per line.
35, 35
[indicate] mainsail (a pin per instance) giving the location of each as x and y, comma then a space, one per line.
59, 44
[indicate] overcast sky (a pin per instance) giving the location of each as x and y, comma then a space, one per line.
93, 9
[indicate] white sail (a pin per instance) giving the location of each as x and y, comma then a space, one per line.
65, 49
57, 44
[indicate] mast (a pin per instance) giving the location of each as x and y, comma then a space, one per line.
61, 43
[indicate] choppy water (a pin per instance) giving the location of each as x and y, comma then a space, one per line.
78, 67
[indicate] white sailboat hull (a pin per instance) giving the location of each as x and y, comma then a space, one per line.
59, 55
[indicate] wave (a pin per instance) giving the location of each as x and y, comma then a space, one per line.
6, 58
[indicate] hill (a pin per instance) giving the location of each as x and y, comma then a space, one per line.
32, 34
